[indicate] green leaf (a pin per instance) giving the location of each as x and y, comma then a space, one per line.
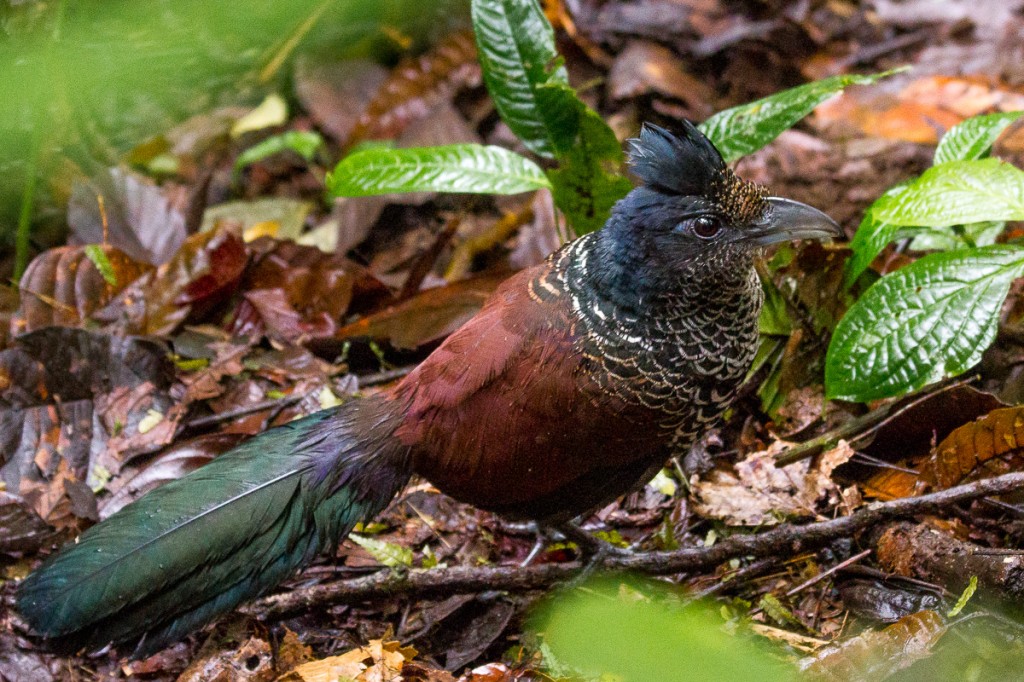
98, 256
973, 138
871, 237
612, 630
302, 142
967, 236
468, 168
957, 193
387, 553
588, 181
744, 129
517, 54
927, 321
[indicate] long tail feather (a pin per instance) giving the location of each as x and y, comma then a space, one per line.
196, 548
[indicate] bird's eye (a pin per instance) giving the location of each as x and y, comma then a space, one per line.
705, 226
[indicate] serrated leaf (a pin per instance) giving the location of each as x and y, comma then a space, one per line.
517, 52
744, 129
305, 143
929, 320
957, 193
387, 553
974, 137
470, 168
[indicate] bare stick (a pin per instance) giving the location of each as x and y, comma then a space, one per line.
787, 539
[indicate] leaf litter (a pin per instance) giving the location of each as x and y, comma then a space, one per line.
244, 322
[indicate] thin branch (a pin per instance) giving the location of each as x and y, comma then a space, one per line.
785, 539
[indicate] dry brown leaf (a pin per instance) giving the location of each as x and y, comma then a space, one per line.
645, 67
990, 446
893, 484
253, 661
62, 286
760, 493
875, 655
416, 86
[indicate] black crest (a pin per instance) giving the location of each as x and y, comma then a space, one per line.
687, 164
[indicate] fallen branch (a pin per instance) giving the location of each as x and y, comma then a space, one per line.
787, 539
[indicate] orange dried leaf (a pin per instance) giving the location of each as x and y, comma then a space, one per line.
428, 316
875, 655
62, 286
990, 446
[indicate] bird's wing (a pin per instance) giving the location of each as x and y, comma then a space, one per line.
486, 346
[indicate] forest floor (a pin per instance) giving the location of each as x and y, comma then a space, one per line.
239, 299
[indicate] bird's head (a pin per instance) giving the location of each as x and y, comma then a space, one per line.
693, 214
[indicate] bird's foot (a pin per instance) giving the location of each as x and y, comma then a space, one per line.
593, 550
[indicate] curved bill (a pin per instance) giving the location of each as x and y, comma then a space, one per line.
787, 220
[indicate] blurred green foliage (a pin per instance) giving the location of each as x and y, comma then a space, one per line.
87, 80
637, 631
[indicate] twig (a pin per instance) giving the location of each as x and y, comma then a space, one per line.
781, 540
864, 425
821, 576
244, 410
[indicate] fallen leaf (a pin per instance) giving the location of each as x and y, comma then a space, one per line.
136, 217
759, 493
876, 655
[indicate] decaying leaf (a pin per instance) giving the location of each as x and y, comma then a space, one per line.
645, 67
875, 655
135, 216
71, 402
63, 286
253, 661
201, 275
428, 316
759, 493
416, 86
990, 446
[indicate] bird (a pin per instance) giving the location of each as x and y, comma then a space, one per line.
575, 383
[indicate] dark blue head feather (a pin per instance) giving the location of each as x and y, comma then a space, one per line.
687, 164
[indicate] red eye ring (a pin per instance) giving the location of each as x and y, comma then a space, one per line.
706, 227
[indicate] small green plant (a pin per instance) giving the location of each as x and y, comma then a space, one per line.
529, 85
935, 317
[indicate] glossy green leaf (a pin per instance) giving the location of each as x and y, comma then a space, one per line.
744, 129
303, 142
957, 193
468, 168
927, 321
974, 137
517, 52
871, 237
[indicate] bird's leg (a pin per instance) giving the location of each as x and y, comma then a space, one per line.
538, 545
593, 549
